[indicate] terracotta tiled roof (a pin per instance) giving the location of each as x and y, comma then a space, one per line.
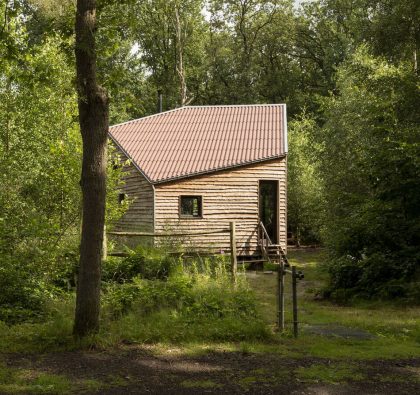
201, 139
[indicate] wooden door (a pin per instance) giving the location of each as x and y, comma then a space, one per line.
268, 208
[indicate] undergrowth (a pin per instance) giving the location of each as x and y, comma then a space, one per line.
152, 296
167, 299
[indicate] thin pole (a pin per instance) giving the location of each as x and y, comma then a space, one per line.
295, 309
233, 260
280, 279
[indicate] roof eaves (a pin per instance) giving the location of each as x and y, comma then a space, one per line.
130, 158
199, 173
285, 142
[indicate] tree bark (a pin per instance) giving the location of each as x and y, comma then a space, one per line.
184, 100
93, 119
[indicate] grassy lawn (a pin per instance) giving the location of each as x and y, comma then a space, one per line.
395, 329
44, 358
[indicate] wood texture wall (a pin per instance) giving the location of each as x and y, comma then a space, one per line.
229, 195
139, 217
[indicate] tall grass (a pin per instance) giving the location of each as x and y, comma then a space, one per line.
152, 297
196, 301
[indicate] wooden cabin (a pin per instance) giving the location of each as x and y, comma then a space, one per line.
197, 168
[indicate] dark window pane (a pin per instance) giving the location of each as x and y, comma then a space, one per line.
191, 206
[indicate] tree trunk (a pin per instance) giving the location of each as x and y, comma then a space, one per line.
93, 119
184, 100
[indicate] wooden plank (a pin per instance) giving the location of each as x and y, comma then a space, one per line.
140, 212
167, 234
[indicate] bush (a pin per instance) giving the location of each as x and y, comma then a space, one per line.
379, 275
196, 301
23, 294
144, 262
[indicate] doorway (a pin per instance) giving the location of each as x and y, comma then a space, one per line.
268, 208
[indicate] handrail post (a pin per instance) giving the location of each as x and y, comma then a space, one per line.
233, 258
295, 308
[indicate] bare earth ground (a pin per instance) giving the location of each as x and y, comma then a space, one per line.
135, 370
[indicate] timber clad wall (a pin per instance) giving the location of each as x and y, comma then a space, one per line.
228, 195
139, 216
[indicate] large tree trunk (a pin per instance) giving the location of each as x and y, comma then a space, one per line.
93, 118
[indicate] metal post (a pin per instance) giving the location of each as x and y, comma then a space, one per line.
233, 260
294, 295
280, 301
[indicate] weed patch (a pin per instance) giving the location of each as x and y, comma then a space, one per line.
27, 381
200, 384
333, 374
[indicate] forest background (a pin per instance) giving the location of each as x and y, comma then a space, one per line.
347, 70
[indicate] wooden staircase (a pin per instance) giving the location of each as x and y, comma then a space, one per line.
269, 251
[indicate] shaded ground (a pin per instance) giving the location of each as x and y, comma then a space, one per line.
342, 350
338, 331
136, 370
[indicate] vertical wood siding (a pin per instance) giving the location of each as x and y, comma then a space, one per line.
230, 195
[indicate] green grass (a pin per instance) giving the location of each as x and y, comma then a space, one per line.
29, 381
204, 384
333, 374
396, 328
188, 307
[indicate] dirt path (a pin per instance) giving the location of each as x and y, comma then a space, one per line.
136, 370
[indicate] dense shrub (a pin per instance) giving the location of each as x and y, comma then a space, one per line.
195, 300
379, 275
369, 165
22, 294
148, 263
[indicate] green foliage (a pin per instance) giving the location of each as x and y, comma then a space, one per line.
40, 157
39, 161
22, 295
370, 167
304, 194
147, 263
181, 303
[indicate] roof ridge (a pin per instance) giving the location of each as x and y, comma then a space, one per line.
147, 116
200, 106
236, 105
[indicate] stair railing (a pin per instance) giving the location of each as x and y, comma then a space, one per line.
264, 239
265, 242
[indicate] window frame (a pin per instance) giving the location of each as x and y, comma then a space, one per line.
200, 207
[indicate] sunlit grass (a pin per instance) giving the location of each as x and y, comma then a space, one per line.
396, 329
31, 381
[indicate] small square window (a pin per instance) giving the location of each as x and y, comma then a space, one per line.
121, 198
190, 206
